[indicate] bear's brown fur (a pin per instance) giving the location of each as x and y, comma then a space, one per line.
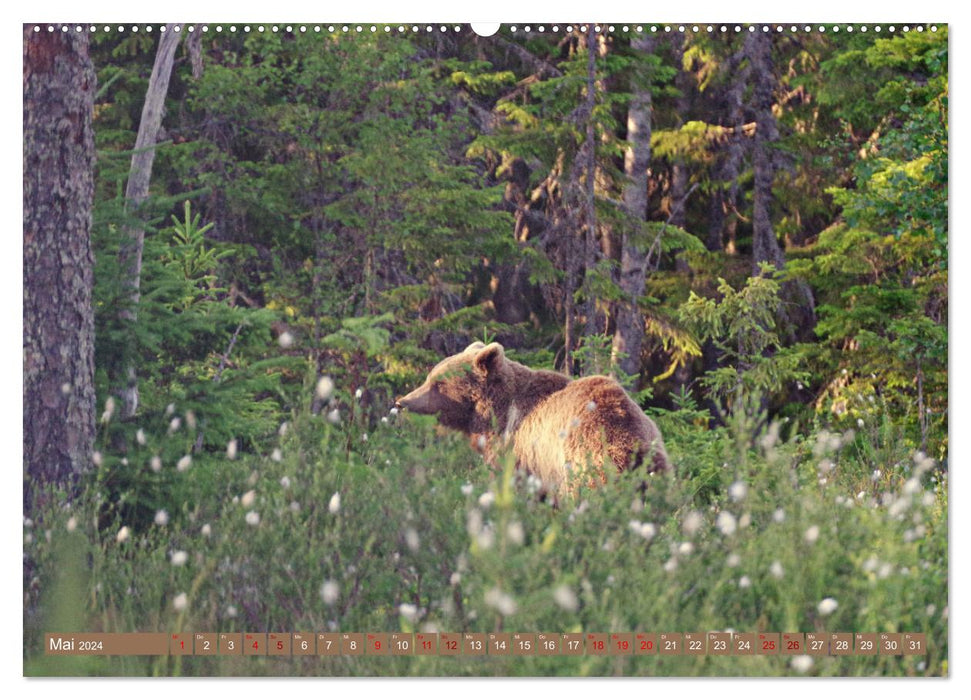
560, 430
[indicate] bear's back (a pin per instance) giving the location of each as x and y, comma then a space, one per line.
569, 432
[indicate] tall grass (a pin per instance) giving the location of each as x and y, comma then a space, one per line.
386, 523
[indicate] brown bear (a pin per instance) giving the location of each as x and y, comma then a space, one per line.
559, 430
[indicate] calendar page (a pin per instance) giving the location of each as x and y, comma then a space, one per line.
546, 349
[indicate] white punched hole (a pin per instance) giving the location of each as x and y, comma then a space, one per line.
485, 28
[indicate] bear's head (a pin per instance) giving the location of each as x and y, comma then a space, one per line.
456, 389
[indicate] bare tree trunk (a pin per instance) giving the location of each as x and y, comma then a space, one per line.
765, 245
589, 201
58, 315
629, 335
136, 192
724, 227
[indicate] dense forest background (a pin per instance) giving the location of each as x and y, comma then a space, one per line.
290, 226
694, 211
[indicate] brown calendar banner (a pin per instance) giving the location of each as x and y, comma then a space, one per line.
282, 644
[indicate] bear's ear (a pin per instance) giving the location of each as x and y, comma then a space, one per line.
489, 359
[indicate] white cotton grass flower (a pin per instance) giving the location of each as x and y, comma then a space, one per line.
776, 570
812, 534
109, 409
231, 449
502, 602
284, 427
123, 534
726, 523
179, 558
285, 482
565, 598
408, 611
184, 463
140, 437
779, 516
358, 393
671, 565
911, 486
412, 540
161, 517
685, 549
515, 533
248, 499
467, 489
744, 582
253, 518
334, 506
206, 530
180, 602
155, 463
231, 611
486, 538
733, 560
692, 523
72, 524
325, 388
96, 458
645, 530
276, 455
473, 522
286, 339
738, 491
487, 499
174, 425
329, 592
334, 416
802, 663
827, 606
190, 419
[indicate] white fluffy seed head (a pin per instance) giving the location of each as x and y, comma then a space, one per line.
726, 523
564, 597
692, 523
738, 491
827, 606
179, 558
334, 505
329, 592
325, 388
180, 602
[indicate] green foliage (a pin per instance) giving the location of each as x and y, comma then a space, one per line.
742, 325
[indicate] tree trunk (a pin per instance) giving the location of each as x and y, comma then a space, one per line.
58, 333
629, 335
589, 199
136, 192
765, 245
